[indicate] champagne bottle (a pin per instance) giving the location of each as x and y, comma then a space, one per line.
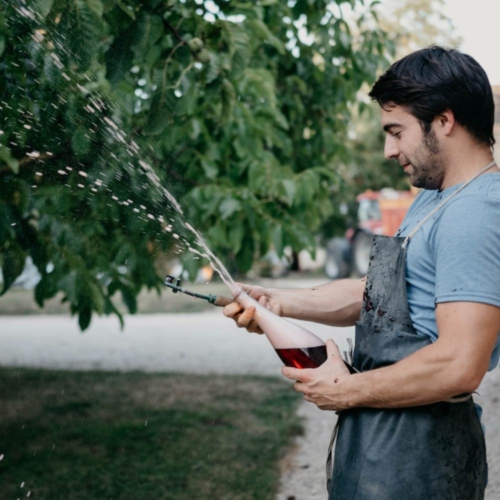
296, 346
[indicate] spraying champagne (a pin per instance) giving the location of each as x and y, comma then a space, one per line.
296, 346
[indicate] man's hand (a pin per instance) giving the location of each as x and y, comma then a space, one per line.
323, 385
245, 318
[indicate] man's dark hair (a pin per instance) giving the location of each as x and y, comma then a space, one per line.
433, 80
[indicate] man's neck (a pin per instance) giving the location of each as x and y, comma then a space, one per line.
464, 163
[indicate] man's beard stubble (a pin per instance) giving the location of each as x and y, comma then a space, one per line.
428, 167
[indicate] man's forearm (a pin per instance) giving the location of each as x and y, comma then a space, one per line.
336, 304
427, 376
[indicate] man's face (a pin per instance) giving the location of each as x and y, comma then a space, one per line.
416, 151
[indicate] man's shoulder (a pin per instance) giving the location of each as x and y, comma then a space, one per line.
472, 216
480, 198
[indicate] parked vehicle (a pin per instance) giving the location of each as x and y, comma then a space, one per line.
379, 213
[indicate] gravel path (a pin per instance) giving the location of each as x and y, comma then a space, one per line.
204, 343
191, 343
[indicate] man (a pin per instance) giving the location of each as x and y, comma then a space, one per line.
428, 314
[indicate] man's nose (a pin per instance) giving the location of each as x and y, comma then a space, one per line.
391, 149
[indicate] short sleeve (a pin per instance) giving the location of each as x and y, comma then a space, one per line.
466, 244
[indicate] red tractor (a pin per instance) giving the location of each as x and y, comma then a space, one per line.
379, 212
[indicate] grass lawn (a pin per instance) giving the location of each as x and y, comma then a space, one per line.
100, 435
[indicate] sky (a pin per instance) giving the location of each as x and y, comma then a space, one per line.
478, 23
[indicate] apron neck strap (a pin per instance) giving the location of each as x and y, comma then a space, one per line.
444, 202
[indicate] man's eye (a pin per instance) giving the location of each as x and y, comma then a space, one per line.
396, 135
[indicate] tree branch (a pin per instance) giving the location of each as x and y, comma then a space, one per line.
175, 32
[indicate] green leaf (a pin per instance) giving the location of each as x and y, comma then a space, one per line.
125, 8
5, 157
45, 289
161, 112
277, 236
290, 190
14, 259
110, 308
43, 7
236, 233
228, 207
81, 28
84, 317
234, 36
96, 7
245, 257
260, 29
119, 57
81, 141
228, 100
129, 299
214, 68
210, 168
148, 31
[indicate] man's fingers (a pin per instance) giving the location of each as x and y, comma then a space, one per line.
232, 309
332, 349
253, 327
246, 317
302, 375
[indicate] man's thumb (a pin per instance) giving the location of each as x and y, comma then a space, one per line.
332, 349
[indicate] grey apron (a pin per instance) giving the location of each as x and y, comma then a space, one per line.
432, 452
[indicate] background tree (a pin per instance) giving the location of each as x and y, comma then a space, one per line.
241, 109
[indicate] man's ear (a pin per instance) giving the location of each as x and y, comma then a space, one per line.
445, 122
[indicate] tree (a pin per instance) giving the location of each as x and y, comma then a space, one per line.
239, 109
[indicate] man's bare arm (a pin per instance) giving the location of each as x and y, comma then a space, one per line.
336, 304
454, 364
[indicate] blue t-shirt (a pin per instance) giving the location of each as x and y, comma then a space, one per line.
455, 256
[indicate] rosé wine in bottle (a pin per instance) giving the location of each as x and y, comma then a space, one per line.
296, 346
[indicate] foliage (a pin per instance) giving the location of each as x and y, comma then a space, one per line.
239, 108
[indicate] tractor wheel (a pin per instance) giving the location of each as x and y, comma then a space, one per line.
338, 263
362, 246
